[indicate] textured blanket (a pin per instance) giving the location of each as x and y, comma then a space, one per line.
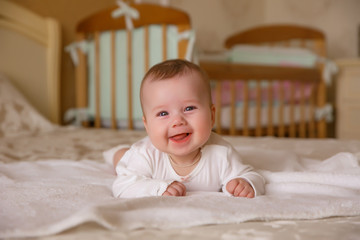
46, 197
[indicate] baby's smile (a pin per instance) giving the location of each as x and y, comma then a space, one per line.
180, 138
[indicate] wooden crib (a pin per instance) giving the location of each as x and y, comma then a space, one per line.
294, 115
167, 27
113, 100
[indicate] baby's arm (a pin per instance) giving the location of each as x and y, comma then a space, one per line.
175, 189
240, 179
118, 155
114, 155
239, 187
135, 175
132, 182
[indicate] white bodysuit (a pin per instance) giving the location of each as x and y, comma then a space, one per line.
145, 171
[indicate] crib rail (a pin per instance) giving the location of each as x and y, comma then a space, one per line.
306, 125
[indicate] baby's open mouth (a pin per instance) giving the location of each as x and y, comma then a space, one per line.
180, 137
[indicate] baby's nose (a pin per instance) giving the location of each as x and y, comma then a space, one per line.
178, 120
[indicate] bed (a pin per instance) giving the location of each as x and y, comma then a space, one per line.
55, 185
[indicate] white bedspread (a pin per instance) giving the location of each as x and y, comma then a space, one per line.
46, 197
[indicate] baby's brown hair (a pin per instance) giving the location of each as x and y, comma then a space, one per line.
172, 68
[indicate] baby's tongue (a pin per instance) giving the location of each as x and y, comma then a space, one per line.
179, 136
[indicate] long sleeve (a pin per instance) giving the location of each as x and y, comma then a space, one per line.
135, 176
131, 184
236, 169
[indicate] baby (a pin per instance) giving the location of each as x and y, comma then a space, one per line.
181, 153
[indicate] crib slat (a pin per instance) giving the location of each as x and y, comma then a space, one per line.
246, 109
233, 108
129, 61
281, 128
302, 130
182, 44
164, 41
146, 48
321, 101
81, 79
218, 87
113, 82
292, 130
312, 114
258, 109
270, 128
97, 80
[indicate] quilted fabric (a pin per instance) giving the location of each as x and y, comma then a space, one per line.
17, 115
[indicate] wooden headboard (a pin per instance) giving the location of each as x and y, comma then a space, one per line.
30, 56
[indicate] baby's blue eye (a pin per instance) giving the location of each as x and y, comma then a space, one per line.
189, 108
161, 114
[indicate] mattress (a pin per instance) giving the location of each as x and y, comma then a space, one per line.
39, 158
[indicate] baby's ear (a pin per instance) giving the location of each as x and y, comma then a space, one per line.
213, 109
144, 121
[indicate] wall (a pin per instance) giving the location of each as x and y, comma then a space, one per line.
339, 20
214, 20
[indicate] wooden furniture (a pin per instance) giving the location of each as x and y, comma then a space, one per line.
102, 21
348, 99
30, 56
273, 35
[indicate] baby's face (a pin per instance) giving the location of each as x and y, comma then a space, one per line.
178, 115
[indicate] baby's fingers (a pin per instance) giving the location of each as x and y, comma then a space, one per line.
239, 190
244, 191
175, 189
231, 186
251, 194
180, 188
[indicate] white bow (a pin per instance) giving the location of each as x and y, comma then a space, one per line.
330, 68
72, 49
190, 35
76, 116
128, 12
325, 112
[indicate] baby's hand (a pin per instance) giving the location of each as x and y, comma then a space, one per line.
239, 187
175, 189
